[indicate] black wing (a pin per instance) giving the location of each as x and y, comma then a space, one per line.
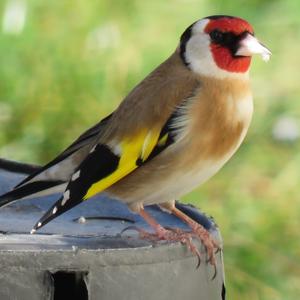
108, 163
36, 183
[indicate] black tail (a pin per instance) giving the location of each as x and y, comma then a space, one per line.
17, 167
27, 190
58, 208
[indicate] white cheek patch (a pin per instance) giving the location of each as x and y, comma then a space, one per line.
199, 56
200, 25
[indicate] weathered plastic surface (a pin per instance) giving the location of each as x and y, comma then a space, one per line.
112, 266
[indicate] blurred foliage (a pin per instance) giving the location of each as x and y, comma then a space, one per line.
69, 63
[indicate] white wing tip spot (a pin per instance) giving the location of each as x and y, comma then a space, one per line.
93, 149
66, 197
32, 231
75, 175
54, 211
39, 224
117, 150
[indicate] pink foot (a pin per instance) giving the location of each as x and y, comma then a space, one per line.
208, 241
203, 235
171, 235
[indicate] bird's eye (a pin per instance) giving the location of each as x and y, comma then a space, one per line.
217, 36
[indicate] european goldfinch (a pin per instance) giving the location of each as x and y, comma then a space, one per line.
172, 132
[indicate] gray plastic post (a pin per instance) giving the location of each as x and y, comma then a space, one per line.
91, 260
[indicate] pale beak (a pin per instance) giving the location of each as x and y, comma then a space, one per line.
249, 45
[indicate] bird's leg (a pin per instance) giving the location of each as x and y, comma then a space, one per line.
200, 232
162, 233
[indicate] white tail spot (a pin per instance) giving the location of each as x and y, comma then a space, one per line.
39, 224
54, 210
32, 231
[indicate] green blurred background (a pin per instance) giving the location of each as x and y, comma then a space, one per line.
66, 64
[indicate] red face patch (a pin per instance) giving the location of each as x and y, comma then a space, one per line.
222, 55
234, 25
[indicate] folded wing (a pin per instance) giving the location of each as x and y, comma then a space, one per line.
106, 164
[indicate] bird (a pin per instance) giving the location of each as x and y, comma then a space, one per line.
170, 134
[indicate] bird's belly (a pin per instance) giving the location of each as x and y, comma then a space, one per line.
175, 172
180, 183
161, 184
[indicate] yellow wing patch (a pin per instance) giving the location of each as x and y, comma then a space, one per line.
162, 141
132, 149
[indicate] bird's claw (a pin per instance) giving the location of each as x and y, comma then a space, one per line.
174, 235
178, 235
209, 243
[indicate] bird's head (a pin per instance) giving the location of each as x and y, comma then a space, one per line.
220, 46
